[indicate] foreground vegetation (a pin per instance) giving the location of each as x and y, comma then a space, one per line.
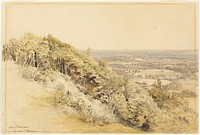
100, 96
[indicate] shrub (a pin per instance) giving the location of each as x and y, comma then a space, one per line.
28, 73
159, 94
61, 97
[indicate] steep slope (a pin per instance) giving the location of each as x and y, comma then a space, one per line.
48, 52
93, 79
29, 108
91, 91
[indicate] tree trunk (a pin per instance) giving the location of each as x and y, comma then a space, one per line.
62, 66
35, 60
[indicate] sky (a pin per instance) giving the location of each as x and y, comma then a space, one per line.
106, 26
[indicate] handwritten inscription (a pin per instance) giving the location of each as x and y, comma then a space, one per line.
20, 128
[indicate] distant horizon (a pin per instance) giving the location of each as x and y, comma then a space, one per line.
139, 49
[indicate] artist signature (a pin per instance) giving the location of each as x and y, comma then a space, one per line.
19, 128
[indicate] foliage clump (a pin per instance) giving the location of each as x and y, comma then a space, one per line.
174, 109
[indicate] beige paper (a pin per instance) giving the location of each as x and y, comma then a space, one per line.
100, 67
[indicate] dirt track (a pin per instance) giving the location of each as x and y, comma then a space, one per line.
26, 113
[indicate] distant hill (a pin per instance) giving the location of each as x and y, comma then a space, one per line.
174, 54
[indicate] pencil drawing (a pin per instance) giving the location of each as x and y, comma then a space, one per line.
53, 86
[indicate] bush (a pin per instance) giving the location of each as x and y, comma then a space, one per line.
61, 97
159, 94
28, 73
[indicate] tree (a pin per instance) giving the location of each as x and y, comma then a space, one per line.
159, 94
89, 51
103, 63
29, 36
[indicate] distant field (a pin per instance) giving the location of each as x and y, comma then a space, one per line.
152, 81
159, 72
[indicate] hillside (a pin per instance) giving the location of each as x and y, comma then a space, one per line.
35, 110
68, 84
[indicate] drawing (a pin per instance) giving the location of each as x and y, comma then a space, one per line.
104, 67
